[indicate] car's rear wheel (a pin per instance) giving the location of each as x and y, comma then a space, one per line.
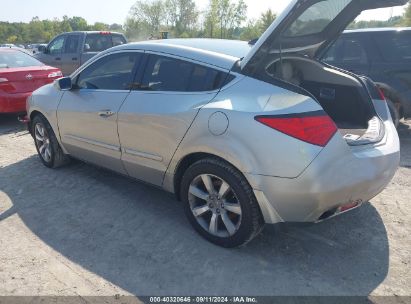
220, 203
395, 113
47, 146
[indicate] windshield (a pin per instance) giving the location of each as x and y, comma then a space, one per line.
17, 59
316, 18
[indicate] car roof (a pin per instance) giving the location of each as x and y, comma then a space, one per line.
380, 29
217, 52
92, 32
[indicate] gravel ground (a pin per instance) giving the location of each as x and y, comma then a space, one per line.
83, 231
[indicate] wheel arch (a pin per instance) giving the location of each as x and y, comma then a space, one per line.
389, 90
189, 160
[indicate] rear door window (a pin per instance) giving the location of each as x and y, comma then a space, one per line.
72, 44
353, 52
346, 51
175, 75
394, 46
97, 42
118, 40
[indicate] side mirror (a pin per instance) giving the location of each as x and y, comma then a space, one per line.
42, 49
64, 84
87, 47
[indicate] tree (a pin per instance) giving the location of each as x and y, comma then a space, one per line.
407, 16
78, 24
151, 13
266, 20
182, 16
223, 17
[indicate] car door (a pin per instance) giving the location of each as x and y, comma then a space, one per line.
87, 114
155, 117
70, 59
53, 52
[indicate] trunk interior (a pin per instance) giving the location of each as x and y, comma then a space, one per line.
343, 97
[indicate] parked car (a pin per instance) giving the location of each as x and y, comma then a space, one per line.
243, 136
7, 45
20, 75
37, 47
69, 51
383, 54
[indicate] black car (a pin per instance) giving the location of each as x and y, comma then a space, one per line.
384, 55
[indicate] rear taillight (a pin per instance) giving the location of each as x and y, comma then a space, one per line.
315, 128
382, 96
3, 80
55, 74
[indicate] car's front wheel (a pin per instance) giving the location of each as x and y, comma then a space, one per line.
220, 203
47, 146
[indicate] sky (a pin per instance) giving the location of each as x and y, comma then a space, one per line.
117, 11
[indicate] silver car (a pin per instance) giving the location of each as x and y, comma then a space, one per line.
243, 135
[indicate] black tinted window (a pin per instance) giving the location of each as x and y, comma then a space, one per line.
169, 74
316, 18
97, 42
72, 43
346, 51
56, 47
113, 72
394, 46
118, 40
353, 52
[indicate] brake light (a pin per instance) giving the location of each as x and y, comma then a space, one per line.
382, 96
315, 128
105, 33
55, 74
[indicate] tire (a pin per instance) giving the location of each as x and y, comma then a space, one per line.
395, 114
47, 146
229, 199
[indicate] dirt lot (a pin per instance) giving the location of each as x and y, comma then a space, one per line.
85, 231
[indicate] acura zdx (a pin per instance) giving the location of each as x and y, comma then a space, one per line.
243, 135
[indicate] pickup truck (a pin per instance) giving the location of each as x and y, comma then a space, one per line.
68, 51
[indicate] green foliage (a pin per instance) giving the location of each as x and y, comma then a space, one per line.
255, 29
407, 16
42, 31
181, 18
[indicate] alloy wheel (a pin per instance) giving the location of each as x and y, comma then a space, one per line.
215, 205
43, 142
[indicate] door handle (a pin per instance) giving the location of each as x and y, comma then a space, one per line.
58, 58
74, 59
106, 113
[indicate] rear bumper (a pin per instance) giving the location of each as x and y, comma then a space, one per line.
13, 103
340, 175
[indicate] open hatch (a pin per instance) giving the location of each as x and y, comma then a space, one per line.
287, 51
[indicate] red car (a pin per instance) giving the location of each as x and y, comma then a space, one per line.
20, 75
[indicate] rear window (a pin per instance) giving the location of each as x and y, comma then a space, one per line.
118, 40
394, 46
17, 59
316, 18
174, 75
98, 42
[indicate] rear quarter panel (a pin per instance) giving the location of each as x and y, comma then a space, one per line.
247, 144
